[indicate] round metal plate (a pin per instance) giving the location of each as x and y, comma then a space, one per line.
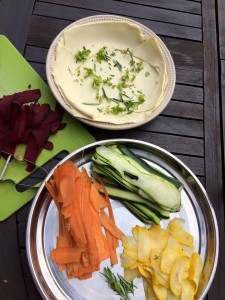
171, 73
42, 228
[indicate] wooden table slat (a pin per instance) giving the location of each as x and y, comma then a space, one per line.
213, 156
184, 110
180, 5
11, 287
188, 93
221, 26
176, 5
175, 126
189, 77
16, 30
175, 144
115, 7
54, 26
186, 54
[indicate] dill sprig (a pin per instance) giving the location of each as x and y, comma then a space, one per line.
119, 284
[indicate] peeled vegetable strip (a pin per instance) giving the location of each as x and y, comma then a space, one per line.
19, 98
67, 183
110, 211
88, 221
64, 255
158, 256
24, 121
101, 241
110, 226
126, 151
98, 201
87, 230
76, 220
156, 188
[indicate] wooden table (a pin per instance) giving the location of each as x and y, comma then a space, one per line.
191, 127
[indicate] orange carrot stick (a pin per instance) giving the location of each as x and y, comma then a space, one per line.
88, 220
110, 226
65, 255
76, 221
82, 244
98, 200
111, 246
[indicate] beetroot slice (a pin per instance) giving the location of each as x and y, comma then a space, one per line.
19, 98
30, 124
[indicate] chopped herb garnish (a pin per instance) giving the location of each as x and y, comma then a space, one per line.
132, 62
117, 65
139, 66
102, 55
89, 72
90, 103
141, 98
82, 55
121, 86
117, 100
156, 257
117, 109
104, 93
129, 98
133, 77
125, 76
97, 80
108, 81
113, 53
124, 94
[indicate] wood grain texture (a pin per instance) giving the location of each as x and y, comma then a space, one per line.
222, 63
172, 143
12, 284
186, 54
184, 110
175, 126
221, 26
16, 30
222, 80
189, 77
188, 93
161, 27
116, 7
179, 5
212, 127
176, 5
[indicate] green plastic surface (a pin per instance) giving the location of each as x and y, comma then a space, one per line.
17, 75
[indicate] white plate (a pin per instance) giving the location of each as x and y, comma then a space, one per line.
167, 57
42, 229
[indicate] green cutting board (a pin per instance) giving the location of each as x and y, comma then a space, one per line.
17, 75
